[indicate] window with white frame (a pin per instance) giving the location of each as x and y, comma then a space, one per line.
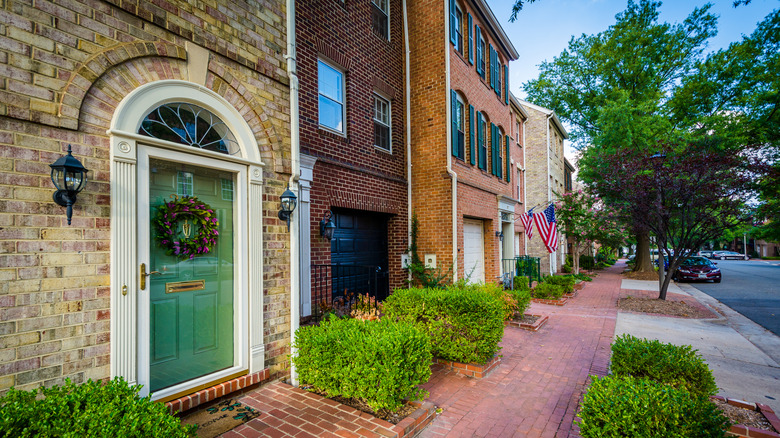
381, 122
380, 17
458, 127
331, 97
519, 186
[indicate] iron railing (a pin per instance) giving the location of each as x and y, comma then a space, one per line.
524, 266
346, 290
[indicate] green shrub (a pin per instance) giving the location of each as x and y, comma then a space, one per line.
521, 283
581, 276
522, 298
464, 324
678, 366
92, 409
587, 262
547, 291
379, 362
566, 269
565, 281
624, 406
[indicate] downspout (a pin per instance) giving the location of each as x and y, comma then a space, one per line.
292, 72
549, 187
525, 193
408, 92
448, 112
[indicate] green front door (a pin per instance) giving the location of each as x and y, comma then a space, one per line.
191, 299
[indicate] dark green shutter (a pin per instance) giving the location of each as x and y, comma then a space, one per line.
454, 121
499, 166
478, 49
481, 142
508, 162
506, 85
471, 41
453, 22
492, 64
472, 146
492, 148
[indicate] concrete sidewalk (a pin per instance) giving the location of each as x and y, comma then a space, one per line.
743, 356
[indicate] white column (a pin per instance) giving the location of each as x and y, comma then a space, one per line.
124, 260
257, 346
304, 232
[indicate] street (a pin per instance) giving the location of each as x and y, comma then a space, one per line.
751, 287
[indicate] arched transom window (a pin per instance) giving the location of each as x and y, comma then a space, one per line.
190, 125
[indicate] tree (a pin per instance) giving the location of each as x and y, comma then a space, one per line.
736, 92
587, 220
613, 88
694, 191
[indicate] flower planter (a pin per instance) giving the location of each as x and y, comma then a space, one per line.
535, 326
558, 302
477, 371
740, 430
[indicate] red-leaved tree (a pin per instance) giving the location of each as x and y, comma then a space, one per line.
685, 194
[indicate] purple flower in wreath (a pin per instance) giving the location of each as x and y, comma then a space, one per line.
165, 223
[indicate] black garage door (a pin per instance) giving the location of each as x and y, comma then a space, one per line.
359, 253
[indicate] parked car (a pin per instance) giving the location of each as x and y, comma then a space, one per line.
706, 253
723, 255
697, 268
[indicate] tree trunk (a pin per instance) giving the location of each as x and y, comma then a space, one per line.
575, 258
642, 262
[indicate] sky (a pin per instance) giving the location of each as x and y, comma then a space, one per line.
543, 29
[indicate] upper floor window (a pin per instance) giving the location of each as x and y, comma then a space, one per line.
518, 134
331, 97
380, 17
458, 127
381, 123
458, 30
190, 125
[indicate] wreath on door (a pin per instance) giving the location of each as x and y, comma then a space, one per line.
186, 244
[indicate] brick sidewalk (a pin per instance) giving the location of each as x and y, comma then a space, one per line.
536, 389
533, 393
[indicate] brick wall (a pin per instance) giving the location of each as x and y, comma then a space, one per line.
542, 185
478, 191
65, 67
350, 167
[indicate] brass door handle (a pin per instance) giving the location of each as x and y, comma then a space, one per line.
144, 274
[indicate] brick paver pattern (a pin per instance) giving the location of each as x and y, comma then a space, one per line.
539, 384
534, 392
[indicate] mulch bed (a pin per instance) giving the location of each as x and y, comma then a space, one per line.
390, 417
641, 275
745, 417
678, 308
526, 318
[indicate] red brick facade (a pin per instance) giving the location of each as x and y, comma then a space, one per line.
478, 191
350, 172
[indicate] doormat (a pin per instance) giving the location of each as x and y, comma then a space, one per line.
220, 418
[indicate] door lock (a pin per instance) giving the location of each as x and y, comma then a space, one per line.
144, 275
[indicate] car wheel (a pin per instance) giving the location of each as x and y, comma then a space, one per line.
723, 257
717, 281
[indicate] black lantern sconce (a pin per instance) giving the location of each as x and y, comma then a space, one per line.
327, 226
500, 235
288, 201
69, 177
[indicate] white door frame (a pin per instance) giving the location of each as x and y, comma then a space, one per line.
125, 255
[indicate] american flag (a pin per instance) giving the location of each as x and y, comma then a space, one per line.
528, 223
545, 222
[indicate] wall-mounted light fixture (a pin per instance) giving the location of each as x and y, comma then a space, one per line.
69, 177
327, 227
288, 201
500, 235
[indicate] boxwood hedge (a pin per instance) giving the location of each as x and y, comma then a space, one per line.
465, 324
380, 362
92, 409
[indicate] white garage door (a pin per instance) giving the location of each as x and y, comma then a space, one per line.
473, 250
